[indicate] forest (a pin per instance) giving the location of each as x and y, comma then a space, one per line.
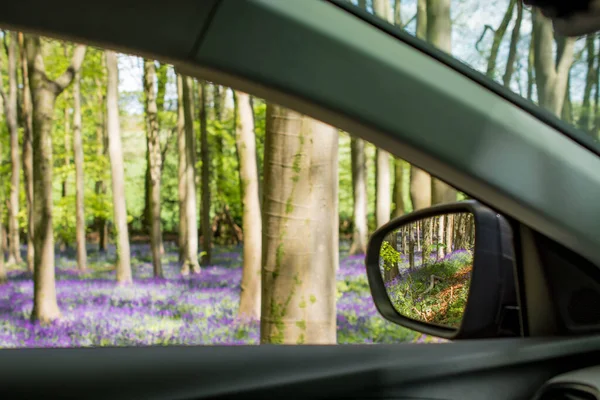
141, 206
426, 267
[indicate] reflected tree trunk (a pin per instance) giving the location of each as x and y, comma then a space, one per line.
441, 237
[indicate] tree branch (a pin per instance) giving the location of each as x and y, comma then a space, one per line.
404, 25
485, 29
66, 78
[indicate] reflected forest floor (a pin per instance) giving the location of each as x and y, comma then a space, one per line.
197, 310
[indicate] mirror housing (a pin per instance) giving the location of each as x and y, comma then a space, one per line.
492, 308
570, 18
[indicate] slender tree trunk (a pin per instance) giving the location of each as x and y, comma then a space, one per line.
101, 153
11, 112
420, 181
531, 67
79, 179
154, 165
383, 186
498, 36
205, 156
300, 252
449, 233
219, 150
382, 165
427, 239
418, 228
182, 184
398, 13
252, 220
67, 144
411, 248
3, 277
551, 77
421, 29
115, 151
596, 122
512, 51
439, 32
585, 120
359, 194
420, 188
191, 257
398, 187
44, 93
27, 152
567, 109
440, 234
259, 166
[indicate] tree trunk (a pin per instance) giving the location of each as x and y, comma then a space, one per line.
398, 13
359, 194
67, 144
101, 152
181, 188
391, 271
44, 93
567, 109
10, 109
115, 151
398, 187
3, 277
252, 221
154, 165
382, 165
300, 252
439, 32
426, 246
449, 233
586, 109
190, 262
27, 152
259, 167
421, 29
382, 181
440, 238
512, 51
79, 179
420, 188
551, 77
498, 36
420, 181
205, 156
596, 121
531, 67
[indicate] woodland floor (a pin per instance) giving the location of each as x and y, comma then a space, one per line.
197, 310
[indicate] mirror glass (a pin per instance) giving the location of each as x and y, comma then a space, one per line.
426, 267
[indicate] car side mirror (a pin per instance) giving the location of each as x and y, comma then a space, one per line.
447, 271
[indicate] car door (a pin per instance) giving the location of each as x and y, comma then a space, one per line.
335, 63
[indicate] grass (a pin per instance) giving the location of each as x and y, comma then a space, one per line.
435, 292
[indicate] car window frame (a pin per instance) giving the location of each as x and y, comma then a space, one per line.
530, 107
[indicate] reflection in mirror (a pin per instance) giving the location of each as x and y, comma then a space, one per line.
426, 267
